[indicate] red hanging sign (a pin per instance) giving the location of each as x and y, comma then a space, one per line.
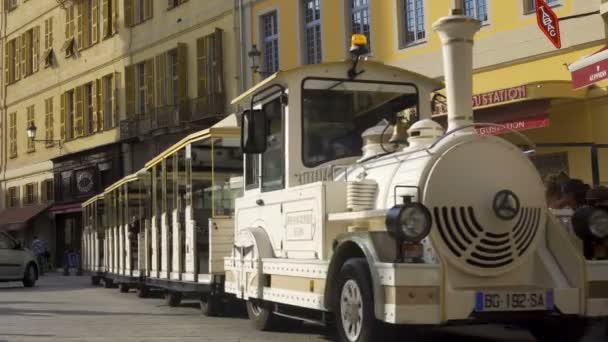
548, 22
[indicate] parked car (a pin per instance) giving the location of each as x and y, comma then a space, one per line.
17, 263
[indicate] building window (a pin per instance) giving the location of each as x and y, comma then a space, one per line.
530, 5
109, 16
211, 95
477, 9
107, 97
11, 66
11, 5
359, 19
141, 89
413, 22
48, 42
174, 77
31, 147
48, 122
270, 41
30, 194
12, 198
12, 127
175, 3
137, 11
71, 115
312, 31
46, 191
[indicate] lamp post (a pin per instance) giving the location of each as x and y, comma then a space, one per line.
254, 55
31, 134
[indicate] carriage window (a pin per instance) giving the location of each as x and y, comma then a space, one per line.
272, 158
336, 112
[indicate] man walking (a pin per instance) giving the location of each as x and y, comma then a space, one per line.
39, 251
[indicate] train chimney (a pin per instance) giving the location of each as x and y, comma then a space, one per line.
456, 32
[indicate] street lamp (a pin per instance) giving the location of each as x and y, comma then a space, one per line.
254, 54
31, 134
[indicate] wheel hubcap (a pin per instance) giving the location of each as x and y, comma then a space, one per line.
351, 309
255, 309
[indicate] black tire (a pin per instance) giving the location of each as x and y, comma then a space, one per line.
30, 276
563, 330
354, 275
95, 280
211, 306
261, 316
123, 288
143, 291
108, 283
173, 299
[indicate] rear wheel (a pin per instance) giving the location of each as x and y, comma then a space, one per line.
173, 299
143, 291
29, 278
108, 283
123, 288
95, 280
355, 318
261, 315
566, 330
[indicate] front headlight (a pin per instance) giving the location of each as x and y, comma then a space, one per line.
590, 223
598, 223
409, 222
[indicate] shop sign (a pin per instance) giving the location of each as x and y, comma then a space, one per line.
518, 125
548, 22
499, 96
590, 74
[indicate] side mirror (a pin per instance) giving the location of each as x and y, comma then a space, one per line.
253, 131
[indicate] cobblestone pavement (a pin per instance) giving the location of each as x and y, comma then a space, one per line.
69, 309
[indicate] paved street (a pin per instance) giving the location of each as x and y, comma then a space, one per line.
69, 309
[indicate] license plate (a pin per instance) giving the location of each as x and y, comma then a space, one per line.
514, 301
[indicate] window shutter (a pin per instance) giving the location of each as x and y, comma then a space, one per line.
128, 13
217, 95
203, 75
68, 33
97, 102
149, 74
182, 76
148, 9
62, 116
36, 49
26, 53
79, 117
35, 197
7, 56
95, 106
94, 21
115, 102
105, 15
20, 64
130, 90
160, 62
43, 198
80, 25
18, 196
114, 16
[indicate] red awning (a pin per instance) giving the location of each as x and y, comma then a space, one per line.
517, 125
17, 218
590, 69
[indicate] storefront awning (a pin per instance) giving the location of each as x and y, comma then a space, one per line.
519, 116
17, 218
58, 209
590, 69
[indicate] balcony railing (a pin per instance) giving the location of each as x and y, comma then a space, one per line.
172, 117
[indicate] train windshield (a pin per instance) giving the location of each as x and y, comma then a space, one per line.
336, 112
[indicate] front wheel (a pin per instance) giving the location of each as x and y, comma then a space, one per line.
261, 315
123, 288
29, 278
95, 280
173, 299
355, 318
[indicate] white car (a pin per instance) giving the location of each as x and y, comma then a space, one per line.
16, 262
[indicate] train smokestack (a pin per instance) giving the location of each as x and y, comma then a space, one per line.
456, 32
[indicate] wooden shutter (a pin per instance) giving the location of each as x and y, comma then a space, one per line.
18, 196
128, 13
79, 117
95, 106
68, 33
114, 16
115, 102
20, 64
160, 63
43, 197
26, 53
182, 76
149, 75
218, 94
7, 64
36, 49
80, 25
98, 102
94, 21
63, 116
130, 93
203, 74
148, 9
105, 17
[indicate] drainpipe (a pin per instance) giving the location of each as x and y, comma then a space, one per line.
4, 120
456, 32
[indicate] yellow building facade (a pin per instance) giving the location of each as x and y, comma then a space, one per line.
511, 53
107, 84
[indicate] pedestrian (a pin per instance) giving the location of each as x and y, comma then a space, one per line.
574, 193
39, 251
